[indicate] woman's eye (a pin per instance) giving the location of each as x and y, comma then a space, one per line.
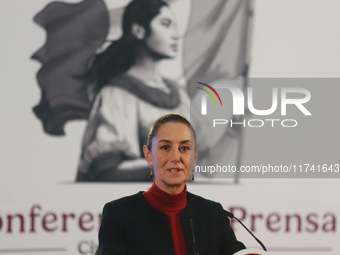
166, 23
165, 147
185, 148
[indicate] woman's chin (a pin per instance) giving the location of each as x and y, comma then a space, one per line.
166, 54
176, 180
171, 55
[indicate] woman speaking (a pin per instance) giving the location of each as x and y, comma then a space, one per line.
167, 219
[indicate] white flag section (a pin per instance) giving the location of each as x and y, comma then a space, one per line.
218, 39
44, 211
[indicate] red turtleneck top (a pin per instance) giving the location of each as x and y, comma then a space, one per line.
171, 205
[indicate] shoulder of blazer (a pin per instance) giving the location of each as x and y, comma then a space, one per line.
128, 202
203, 203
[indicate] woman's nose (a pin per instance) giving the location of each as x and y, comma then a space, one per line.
175, 37
175, 155
175, 33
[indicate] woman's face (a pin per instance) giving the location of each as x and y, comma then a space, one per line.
163, 38
172, 155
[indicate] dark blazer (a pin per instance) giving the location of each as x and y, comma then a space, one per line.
130, 225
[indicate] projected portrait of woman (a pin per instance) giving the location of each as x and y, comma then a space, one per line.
119, 88
131, 93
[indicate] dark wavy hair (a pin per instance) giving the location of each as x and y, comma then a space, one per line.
121, 54
172, 117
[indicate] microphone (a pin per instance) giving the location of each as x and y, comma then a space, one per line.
193, 235
230, 215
